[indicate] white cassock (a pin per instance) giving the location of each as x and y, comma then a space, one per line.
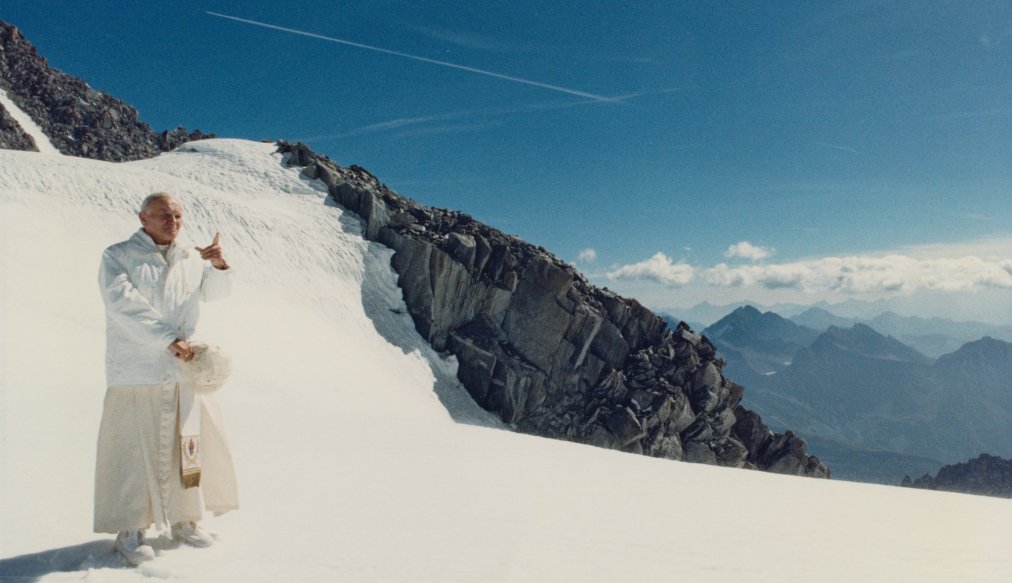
152, 299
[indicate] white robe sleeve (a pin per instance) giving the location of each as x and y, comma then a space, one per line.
215, 284
129, 308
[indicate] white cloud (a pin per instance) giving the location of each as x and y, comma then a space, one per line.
747, 250
996, 248
868, 275
960, 271
965, 280
587, 255
658, 268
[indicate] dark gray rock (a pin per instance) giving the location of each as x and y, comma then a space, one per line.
476, 367
681, 413
547, 351
624, 426
985, 475
774, 452
706, 387
699, 453
750, 430
78, 120
666, 445
507, 393
463, 248
731, 453
722, 422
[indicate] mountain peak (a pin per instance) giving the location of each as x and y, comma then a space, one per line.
756, 343
988, 343
749, 321
818, 318
864, 340
987, 356
76, 119
748, 309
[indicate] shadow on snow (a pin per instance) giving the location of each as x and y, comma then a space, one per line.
97, 554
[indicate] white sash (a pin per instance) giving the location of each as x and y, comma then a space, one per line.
189, 435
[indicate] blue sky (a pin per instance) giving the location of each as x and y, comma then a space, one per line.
860, 149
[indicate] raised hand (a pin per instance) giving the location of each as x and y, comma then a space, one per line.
213, 253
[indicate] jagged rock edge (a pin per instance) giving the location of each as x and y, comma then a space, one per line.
78, 120
547, 351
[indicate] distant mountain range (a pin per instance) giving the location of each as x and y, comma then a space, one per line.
708, 313
931, 336
876, 407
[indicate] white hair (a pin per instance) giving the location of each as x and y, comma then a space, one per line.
152, 198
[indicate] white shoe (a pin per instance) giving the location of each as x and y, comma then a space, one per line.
131, 545
191, 534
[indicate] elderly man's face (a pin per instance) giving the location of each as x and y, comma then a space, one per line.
163, 219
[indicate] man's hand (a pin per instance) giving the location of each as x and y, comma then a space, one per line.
213, 254
182, 350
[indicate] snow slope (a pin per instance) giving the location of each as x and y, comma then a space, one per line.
342, 423
28, 125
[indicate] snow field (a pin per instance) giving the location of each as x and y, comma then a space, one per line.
341, 421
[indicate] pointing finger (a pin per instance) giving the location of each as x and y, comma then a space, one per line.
216, 244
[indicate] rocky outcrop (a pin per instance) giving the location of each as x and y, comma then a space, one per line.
783, 453
172, 139
550, 353
78, 120
987, 475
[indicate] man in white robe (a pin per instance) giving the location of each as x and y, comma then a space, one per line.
152, 289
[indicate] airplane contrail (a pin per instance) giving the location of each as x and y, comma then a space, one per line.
836, 147
422, 59
398, 123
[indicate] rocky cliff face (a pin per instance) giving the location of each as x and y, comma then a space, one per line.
550, 353
78, 120
987, 475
